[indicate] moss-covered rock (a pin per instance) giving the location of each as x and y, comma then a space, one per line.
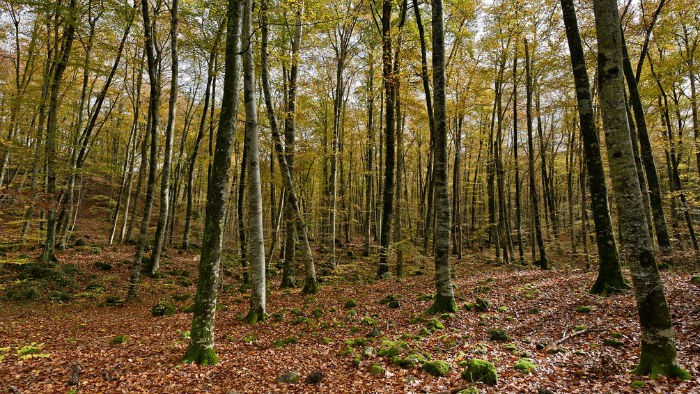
478, 370
469, 390
349, 304
525, 365
377, 369
695, 279
434, 324
163, 309
481, 305
437, 367
391, 348
290, 377
411, 361
497, 334
369, 321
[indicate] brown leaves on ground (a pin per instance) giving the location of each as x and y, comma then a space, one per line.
535, 309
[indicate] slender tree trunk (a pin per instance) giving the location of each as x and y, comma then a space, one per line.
369, 168
52, 128
518, 209
152, 127
255, 212
167, 155
657, 210
542, 261
658, 355
201, 346
388, 192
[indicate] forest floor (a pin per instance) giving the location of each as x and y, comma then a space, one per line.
55, 318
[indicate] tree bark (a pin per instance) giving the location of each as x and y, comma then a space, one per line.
201, 346
658, 354
610, 279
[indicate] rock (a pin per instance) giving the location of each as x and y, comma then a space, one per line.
478, 370
291, 377
368, 351
437, 367
544, 390
163, 309
314, 377
376, 332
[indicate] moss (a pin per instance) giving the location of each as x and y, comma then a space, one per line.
481, 305
368, 321
390, 298
435, 324
442, 304
469, 390
391, 348
478, 370
510, 347
497, 334
163, 309
300, 320
119, 339
317, 313
411, 361
347, 351
377, 369
202, 356
613, 342
285, 341
357, 361
416, 318
468, 306
426, 297
583, 309
349, 304
424, 332
655, 364
638, 384
525, 365
437, 367
695, 279
579, 327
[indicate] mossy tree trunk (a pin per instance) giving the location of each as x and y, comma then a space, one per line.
201, 346
444, 297
658, 355
610, 278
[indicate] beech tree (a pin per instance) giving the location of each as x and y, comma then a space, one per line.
658, 354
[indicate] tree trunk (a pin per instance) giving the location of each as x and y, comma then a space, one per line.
255, 213
152, 128
167, 155
610, 278
518, 209
542, 261
444, 297
658, 354
388, 192
201, 346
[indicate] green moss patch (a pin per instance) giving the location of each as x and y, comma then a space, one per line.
478, 370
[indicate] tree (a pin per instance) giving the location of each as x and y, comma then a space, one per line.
255, 213
658, 354
58, 68
610, 278
444, 297
167, 155
542, 261
201, 346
